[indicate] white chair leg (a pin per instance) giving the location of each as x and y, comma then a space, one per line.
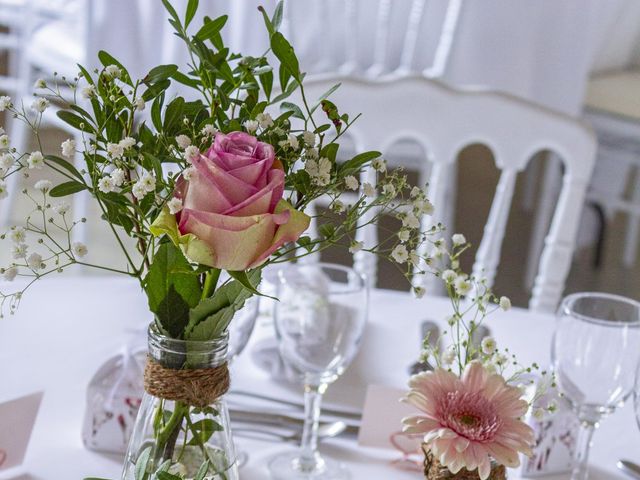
531, 178
551, 185
633, 228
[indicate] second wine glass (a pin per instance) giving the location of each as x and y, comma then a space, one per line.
319, 319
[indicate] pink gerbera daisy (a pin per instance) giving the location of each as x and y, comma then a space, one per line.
469, 420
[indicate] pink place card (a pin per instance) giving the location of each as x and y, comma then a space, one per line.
17, 418
382, 419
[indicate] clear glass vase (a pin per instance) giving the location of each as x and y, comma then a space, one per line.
177, 435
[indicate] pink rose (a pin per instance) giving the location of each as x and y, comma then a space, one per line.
233, 206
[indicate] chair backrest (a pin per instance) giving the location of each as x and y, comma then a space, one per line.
443, 121
372, 37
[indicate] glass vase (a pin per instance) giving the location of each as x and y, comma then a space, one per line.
434, 470
183, 423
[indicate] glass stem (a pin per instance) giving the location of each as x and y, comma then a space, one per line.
583, 445
309, 445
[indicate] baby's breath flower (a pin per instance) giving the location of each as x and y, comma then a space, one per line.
319, 170
191, 153
458, 239
6, 161
449, 276
183, 141
89, 91
117, 177
106, 185
400, 254
5, 102
416, 192
449, 355
175, 205
422, 206
140, 104
35, 261
68, 148
40, 83
139, 191
250, 125
127, 142
43, 185
62, 208
18, 235
79, 249
112, 72
505, 303
188, 173
4, 141
208, 130
338, 206
115, 150
419, 292
10, 274
414, 259
404, 234
35, 160
4, 193
409, 220
309, 138
264, 120
40, 104
462, 285
355, 246
368, 190
389, 190
148, 182
379, 165
488, 345
351, 182
311, 153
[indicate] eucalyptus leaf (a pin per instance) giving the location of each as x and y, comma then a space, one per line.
142, 464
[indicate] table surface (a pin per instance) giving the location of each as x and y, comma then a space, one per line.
67, 327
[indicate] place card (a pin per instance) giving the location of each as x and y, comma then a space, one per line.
17, 418
382, 420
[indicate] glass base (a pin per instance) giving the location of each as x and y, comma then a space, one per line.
290, 466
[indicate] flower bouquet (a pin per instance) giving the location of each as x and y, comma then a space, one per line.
200, 195
472, 401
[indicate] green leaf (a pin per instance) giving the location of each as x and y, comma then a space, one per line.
292, 107
76, 121
185, 80
159, 73
212, 315
142, 463
85, 74
202, 471
267, 21
156, 89
107, 60
325, 95
283, 50
202, 431
167, 476
290, 89
242, 277
211, 28
192, 8
68, 166
266, 80
173, 114
67, 188
171, 294
327, 230
276, 20
356, 163
330, 151
171, 10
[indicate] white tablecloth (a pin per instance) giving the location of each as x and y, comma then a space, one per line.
67, 327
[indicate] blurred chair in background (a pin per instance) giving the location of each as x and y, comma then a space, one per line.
513, 129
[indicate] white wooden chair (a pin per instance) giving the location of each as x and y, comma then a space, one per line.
445, 120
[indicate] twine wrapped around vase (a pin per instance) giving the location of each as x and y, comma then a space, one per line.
196, 387
433, 470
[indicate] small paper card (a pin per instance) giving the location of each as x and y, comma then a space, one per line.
382, 419
17, 418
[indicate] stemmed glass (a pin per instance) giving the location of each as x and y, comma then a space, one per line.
241, 326
595, 353
319, 318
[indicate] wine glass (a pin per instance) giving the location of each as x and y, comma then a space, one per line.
319, 319
242, 325
595, 353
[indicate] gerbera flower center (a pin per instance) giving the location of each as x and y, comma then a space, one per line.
469, 415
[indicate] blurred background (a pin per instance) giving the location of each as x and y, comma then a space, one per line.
579, 58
